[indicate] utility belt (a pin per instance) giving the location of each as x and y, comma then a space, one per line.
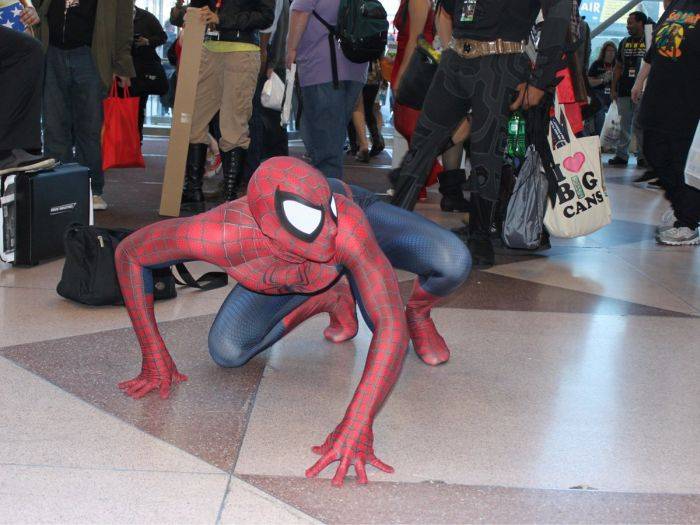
469, 48
246, 37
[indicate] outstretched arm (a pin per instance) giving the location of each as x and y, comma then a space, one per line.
352, 441
160, 245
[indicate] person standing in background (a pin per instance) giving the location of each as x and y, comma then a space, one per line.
21, 71
83, 58
629, 60
327, 108
228, 75
600, 77
148, 35
669, 115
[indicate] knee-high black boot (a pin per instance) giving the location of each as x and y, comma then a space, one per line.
232, 170
451, 182
480, 220
192, 196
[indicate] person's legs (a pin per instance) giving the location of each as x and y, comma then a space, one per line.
57, 111
21, 70
498, 77
599, 120
638, 133
143, 102
86, 95
326, 114
667, 155
626, 111
240, 78
446, 104
358, 122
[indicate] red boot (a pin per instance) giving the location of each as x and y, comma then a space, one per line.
427, 342
339, 303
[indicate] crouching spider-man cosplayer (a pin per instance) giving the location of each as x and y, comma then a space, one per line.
288, 244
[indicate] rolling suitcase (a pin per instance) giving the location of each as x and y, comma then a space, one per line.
36, 209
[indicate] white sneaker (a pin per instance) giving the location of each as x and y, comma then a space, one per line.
98, 203
668, 219
679, 236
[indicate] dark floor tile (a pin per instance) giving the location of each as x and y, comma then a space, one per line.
489, 291
205, 416
441, 503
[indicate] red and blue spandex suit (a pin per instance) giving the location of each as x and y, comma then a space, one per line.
288, 244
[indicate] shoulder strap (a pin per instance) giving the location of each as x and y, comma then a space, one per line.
208, 281
331, 44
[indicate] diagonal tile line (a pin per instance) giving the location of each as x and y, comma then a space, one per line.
661, 285
111, 469
249, 411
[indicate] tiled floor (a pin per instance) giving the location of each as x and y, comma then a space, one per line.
572, 394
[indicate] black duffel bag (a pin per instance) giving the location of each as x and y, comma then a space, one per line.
90, 276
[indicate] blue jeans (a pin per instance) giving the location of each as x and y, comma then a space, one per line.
324, 123
629, 124
72, 105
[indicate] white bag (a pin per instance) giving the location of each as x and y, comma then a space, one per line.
582, 205
692, 165
610, 133
272, 95
288, 95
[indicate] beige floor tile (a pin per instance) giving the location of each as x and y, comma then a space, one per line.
528, 400
597, 272
44, 426
246, 504
52, 495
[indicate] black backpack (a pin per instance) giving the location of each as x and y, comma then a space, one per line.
90, 277
361, 29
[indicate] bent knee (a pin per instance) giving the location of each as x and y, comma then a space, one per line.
455, 261
227, 353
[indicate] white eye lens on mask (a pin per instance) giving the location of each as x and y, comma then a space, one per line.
334, 210
302, 217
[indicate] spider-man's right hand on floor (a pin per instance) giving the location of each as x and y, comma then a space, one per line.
157, 373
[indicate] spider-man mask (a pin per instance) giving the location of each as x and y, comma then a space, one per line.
294, 207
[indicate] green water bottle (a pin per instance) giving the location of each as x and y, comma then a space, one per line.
513, 126
521, 143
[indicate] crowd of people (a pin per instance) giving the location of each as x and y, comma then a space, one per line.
59, 79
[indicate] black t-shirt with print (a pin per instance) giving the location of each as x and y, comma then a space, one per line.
671, 100
598, 70
71, 23
630, 55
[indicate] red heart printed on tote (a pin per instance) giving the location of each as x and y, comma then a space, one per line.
574, 163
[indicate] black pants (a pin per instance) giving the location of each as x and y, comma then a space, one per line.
667, 154
369, 95
22, 73
486, 85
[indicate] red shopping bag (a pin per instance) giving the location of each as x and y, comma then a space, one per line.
121, 142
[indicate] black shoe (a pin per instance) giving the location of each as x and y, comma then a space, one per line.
480, 220
481, 251
642, 164
362, 156
451, 188
647, 176
378, 144
192, 195
20, 160
232, 171
656, 184
617, 161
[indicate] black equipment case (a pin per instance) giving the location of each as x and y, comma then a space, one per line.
44, 204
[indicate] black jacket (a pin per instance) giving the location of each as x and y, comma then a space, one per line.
239, 20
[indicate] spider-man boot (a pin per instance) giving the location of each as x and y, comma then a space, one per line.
339, 303
232, 170
192, 195
427, 342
